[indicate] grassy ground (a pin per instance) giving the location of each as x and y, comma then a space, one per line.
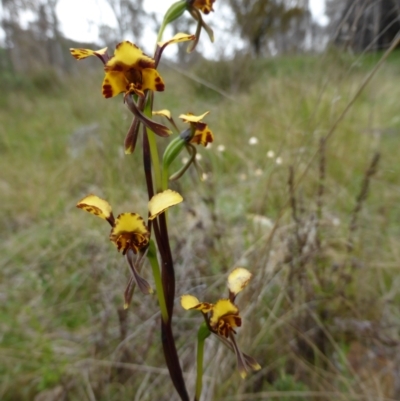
321, 313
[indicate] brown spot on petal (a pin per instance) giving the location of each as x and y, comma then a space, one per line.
134, 76
160, 87
143, 63
158, 79
117, 67
107, 90
238, 321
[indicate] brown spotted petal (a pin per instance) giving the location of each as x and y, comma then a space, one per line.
202, 134
81, 54
114, 83
159, 129
225, 317
97, 206
191, 302
128, 56
129, 232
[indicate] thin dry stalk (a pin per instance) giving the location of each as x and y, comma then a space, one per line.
321, 188
362, 196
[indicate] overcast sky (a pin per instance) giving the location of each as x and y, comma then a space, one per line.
80, 20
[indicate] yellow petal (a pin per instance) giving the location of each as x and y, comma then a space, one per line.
179, 37
189, 301
80, 54
129, 232
152, 80
95, 205
114, 83
190, 118
238, 280
162, 201
165, 113
223, 308
128, 55
202, 135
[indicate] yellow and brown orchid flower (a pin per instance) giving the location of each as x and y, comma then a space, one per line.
223, 317
205, 6
128, 71
194, 7
129, 234
201, 134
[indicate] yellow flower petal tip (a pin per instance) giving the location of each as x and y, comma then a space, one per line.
95, 205
81, 54
164, 113
129, 232
162, 201
238, 280
189, 301
190, 118
179, 37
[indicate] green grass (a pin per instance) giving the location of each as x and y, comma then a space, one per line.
62, 282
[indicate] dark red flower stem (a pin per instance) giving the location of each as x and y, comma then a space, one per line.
168, 281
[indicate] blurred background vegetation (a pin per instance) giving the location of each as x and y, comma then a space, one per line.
309, 206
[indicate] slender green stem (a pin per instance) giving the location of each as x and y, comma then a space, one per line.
165, 174
202, 334
152, 256
155, 160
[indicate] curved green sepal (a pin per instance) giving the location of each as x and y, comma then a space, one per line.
175, 147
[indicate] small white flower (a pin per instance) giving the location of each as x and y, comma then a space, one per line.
243, 177
253, 140
204, 177
185, 160
258, 172
278, 160
198, 156
221, 148
270, 154
209, 145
